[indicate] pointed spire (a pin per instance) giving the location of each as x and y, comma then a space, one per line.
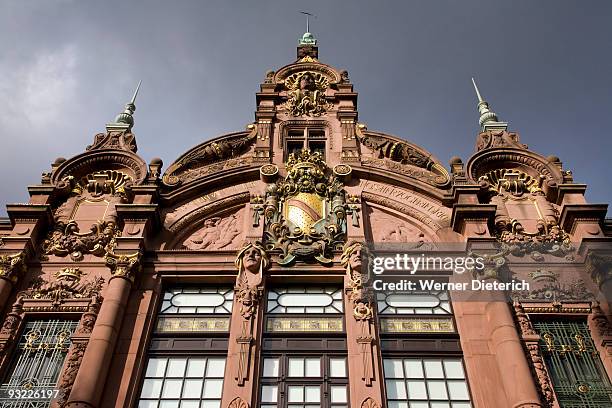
488, 118
126, 117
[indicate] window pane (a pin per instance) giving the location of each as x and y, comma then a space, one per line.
337, 367
397, 404
147, 404
414, 368
416, 390
313, 394
195, 367
437, 390
213, 388
169, 404
172, 388
156, 367
190, 404
458, 390
296, 393
433, 369
215, 368
440, 405
151, 388
393, 368
210, 404
270, 367
338, 393
192, 389
419, 405
296, 367
461, 405
396, 389
313, 367
453, 369
176, 367
269, 393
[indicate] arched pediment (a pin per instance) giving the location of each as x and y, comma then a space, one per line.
392, 154
220, 154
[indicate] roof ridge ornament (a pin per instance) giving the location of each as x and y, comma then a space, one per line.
488, 119
125, 120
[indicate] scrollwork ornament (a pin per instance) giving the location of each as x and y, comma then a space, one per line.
124, 266
71, 368
305, 213
65, 239
67, 285
306, 94
545, 389
11, 266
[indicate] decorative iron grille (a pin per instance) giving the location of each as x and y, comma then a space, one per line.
578, 376
36, 365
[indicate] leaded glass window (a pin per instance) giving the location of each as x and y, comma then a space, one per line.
304, 382
327, 300
195, 310
37, 362
578, 376
426, 383
413, 303
183, 382
198, 300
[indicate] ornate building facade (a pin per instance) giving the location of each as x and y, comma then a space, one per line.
240, 276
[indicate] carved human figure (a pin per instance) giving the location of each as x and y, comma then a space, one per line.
229, 229
206, 236
251, 261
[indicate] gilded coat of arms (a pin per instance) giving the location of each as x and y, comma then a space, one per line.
306, 94
305, 213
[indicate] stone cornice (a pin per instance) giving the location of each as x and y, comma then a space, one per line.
573, 212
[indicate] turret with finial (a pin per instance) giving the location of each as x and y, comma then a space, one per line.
488, 119
308, 43
125, 120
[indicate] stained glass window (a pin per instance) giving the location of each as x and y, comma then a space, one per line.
413, 303
208, 300
326, 300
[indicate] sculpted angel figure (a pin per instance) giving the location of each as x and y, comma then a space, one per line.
251, 262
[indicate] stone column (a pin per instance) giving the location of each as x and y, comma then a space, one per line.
90, 380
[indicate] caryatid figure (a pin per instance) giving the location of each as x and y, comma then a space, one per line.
356, 260
251, 262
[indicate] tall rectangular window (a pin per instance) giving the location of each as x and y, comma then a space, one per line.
183, 382
37, 362
426, 383
311, 381
188, 348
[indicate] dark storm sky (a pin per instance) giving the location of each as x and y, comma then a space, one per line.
68, 67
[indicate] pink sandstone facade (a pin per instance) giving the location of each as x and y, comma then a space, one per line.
248, 255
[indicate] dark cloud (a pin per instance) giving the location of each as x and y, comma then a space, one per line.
67, 67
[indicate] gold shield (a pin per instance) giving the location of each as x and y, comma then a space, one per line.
304, 210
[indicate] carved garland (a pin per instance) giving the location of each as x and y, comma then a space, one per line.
11, 266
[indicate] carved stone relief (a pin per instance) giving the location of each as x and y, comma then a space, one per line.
391, 229
306, 94
218, 233
67, 284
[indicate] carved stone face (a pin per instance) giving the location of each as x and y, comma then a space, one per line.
306, 82
355, 259
252, 259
